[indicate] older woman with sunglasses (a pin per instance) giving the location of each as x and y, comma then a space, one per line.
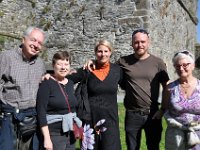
183, 106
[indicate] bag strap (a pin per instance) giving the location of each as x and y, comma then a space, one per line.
86, 75
65, 95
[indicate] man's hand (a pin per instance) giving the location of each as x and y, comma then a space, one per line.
90, 65
158, 115
47, 76
72, 71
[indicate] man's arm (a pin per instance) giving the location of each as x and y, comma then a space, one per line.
164, 103
165, 98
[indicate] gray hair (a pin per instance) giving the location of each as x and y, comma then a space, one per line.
31, 28
181, 55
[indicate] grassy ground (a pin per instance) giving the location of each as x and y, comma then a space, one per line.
143, 140
122, 132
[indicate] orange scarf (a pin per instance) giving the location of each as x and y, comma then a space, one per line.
101, 72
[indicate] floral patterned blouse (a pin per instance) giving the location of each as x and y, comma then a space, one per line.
184, 110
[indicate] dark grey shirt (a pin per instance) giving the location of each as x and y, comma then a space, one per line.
142, 79
19, 79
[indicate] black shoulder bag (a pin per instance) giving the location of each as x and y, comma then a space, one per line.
27, 123
81, 93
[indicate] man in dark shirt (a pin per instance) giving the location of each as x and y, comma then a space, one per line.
20, 73
143, 74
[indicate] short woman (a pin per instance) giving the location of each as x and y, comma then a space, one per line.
56, 105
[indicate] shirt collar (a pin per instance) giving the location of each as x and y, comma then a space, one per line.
31, 61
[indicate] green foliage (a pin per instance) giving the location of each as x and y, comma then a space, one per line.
143, 140
101, 12
2, 39
69, 15
72, 3
46, 24
33, 3
31, 18
12, 18
81, 9
46, 9
1, 14
121, 113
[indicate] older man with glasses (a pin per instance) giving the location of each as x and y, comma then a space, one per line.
143, 74
20, 74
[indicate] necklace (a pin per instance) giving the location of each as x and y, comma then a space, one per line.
188, 87
185, 88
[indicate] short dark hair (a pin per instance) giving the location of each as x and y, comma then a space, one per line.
61, 55
140, 31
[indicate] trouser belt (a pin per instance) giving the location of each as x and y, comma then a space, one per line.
140, 112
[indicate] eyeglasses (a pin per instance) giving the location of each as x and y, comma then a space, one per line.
184, 65
141, 31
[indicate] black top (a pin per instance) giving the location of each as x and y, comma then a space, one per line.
103, 103
50, 100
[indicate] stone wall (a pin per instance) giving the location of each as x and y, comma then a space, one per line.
173, 28
76, 25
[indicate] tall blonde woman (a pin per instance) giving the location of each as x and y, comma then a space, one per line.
102, 85
183, 106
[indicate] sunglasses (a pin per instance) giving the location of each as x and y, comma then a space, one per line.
140, 31
184, 65
183, 52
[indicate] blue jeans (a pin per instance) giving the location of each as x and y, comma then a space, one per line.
9, 136
134, 123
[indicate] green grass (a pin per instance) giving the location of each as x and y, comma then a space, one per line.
122, 131
143, 140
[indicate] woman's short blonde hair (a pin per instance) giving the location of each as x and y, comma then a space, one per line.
185, 54
105, 43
